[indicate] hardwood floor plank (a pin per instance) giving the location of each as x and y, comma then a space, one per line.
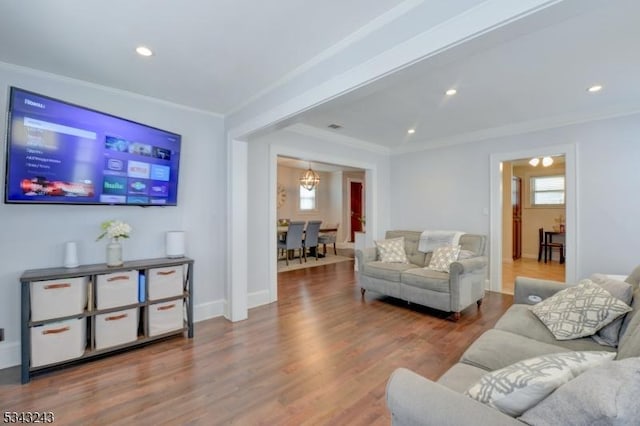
321, 355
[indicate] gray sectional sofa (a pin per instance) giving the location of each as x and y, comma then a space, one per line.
518, 335
452, 292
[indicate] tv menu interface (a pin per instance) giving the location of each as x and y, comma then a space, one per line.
63, 153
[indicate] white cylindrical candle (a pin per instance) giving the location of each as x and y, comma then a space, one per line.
71, 254
175, 243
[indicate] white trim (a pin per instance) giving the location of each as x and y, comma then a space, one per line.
358, 35
259, 298
495, 228
307, 130
370, 194
120, 92
237, 238
10, 354
479, 20
208, 310
515, 129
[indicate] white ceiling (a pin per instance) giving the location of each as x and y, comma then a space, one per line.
209, 54
534, 76
218, 55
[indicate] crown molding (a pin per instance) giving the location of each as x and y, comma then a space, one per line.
516, 129
307, 130
57, 77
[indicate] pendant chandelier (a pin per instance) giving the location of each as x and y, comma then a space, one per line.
309, 180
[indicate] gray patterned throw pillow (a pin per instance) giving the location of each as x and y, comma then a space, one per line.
443, 257
579, 311
520, 386
392, 250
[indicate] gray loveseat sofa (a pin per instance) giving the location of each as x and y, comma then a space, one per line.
518, 335
452, 292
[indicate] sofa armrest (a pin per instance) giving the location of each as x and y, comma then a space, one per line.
469, 265
530, 291
367, 254
415, 400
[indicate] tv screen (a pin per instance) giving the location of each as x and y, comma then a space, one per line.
60, 153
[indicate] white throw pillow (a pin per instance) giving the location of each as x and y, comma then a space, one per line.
579, 311
392, 250
442, 258
520, 386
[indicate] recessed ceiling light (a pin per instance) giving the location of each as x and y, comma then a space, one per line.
144, 51
411, 131
451, 92
594, 88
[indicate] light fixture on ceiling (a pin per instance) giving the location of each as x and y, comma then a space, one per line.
546, 161
144, 51
411, 131
309, 180
595, 88
451, 92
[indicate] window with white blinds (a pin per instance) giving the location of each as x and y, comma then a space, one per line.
547, 190
307, 199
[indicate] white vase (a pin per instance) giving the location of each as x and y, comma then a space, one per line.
114, 253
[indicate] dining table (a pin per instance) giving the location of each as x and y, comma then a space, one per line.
282, 235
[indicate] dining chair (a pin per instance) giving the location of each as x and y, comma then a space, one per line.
328, 238
548, 247
293, 240
311, 237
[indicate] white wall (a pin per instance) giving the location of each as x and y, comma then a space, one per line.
449, 188
262, 176
290, 178
33, 235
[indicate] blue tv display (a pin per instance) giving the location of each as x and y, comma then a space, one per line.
60, 153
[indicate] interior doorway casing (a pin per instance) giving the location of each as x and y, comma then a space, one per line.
496, 189
369, 194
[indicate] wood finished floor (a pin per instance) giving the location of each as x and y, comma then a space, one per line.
321, 355
530, 268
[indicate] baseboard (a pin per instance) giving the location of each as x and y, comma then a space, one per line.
205, 311
258, 298
9, 354
10, 351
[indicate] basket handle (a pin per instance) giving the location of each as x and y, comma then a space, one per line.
118, 278
116, 317
166, 307
56, 330
57, 286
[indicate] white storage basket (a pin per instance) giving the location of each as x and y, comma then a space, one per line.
165, 282
116, 328
58, 298
58, 341
117, 289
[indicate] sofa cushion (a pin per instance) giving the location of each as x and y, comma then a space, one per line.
579, 311
520, 386
442, 258
607, 394
461, 376
391, 250
518, 319
386, 271
496, 349
609, 334
426, 279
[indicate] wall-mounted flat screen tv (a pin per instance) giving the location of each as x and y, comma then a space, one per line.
60, 153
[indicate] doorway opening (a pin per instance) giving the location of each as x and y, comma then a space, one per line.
533, 211
500, 189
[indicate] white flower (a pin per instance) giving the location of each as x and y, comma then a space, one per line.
114, 229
